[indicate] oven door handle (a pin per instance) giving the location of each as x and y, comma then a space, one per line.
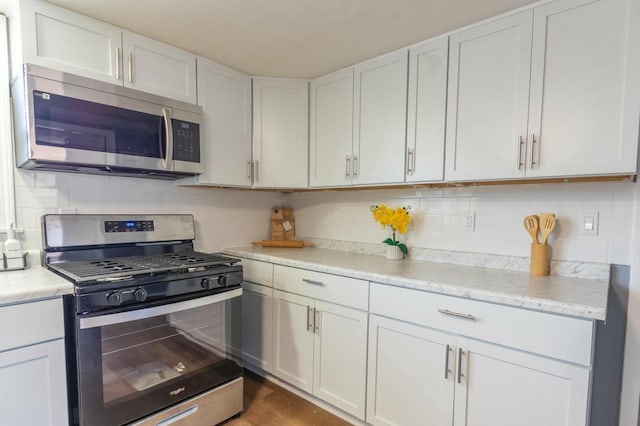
138, 314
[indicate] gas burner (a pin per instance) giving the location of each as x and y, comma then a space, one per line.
86, 272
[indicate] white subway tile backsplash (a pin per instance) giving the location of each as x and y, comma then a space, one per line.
500, 210
32, 197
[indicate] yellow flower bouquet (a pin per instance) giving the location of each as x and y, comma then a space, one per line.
397, 219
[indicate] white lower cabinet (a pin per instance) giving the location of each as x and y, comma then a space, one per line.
435, 370
33, 384
257, 314
410, 381
257, 325
503, 387
321, 348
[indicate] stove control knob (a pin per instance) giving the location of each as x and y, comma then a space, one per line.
208, 283
140, 294
114, 299
222, 280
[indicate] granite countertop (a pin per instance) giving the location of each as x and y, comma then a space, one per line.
31, 284
576, 297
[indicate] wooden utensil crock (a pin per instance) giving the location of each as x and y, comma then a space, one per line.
540, 257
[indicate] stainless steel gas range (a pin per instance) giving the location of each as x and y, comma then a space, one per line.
149, 333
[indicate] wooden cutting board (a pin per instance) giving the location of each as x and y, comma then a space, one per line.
282, 243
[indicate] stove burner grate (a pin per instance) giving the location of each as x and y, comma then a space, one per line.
95, 269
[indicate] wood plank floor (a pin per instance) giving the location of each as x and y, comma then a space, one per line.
267, 404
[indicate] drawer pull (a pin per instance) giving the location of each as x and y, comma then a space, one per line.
457, 314
460, 353
309, 324
447, 349
308, 281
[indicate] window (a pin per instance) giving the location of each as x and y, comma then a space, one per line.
7, 203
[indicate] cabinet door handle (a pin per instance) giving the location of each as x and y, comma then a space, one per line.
348, 168
533, 150
356, 167
117, 63
308, 281
316, 320
309, 324
130, 66
256, 171
460, 353
457, 314
447, 349
249, 170
520, 145
409, 161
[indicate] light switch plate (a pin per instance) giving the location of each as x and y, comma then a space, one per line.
589, 222
469, 221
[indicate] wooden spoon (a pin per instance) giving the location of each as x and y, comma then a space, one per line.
531, 225
547, 224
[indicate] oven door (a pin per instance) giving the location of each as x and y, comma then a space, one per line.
133, 363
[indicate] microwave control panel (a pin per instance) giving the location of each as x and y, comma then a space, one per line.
186, 141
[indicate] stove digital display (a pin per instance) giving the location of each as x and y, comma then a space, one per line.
128, 226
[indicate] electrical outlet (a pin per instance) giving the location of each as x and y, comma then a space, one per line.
589, 223
469, 221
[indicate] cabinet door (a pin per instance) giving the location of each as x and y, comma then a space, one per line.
488, 97
33, 385
225, 97
380, 119
158, 68
331, 132
280, 133
58, 38
410, 375
257, 325
293, 339
581, 97
340, 375
505, 387
427, 108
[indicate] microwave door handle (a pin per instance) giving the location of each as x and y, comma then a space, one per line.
169, 308
167, 162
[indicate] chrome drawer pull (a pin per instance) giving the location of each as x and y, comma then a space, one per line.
460, 353
457, 314
309, 324
447, 349
308, 281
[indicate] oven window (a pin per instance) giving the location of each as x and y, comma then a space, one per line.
149, 363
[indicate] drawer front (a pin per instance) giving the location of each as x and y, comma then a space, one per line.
552, 335
29, 323
332, 288
257, 272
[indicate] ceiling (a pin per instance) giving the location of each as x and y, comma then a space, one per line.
290, 38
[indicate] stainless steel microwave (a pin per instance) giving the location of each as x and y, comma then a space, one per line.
64, 122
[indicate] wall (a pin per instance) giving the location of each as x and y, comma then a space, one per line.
224, 218
438, 216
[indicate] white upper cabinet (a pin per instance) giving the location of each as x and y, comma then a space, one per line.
225, 97
158, 68
549, 92
427, 109
584, 109
50, 36
331, 129
380, 119
488, 98
58, 38
280, 133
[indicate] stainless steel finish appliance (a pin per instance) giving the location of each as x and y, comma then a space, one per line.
151, 329
64, 122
